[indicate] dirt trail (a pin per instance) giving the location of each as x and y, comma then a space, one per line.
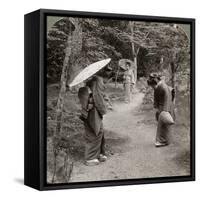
133, 154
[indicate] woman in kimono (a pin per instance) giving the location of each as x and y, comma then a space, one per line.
93, 108
163, 101
128, 80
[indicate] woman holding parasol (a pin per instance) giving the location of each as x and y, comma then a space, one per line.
93, 108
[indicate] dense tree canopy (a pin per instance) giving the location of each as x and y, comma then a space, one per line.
156, 45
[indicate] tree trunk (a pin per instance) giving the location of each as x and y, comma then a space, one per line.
60, 101
73, 47
131, 25
74, 42
173, 70
173, 79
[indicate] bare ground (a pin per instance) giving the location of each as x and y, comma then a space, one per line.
130, 134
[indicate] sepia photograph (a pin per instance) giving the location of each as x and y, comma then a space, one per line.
118, 99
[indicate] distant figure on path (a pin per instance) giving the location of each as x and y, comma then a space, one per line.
128, 81
93, 108
163, 101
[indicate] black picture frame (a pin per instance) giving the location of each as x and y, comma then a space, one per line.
35, 99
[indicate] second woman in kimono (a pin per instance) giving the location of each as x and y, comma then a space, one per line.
163, 101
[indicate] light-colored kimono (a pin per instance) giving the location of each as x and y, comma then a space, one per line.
129, 81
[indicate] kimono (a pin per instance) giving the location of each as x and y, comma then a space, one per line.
128, 83
92, 113
163, 101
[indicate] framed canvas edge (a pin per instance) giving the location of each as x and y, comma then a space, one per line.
31, 100
86, 14
43, 92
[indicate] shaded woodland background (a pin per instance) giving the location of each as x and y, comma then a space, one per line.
153, 46
74, 43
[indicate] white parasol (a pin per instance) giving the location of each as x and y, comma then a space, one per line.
89, 71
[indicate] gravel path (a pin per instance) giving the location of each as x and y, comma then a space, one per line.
133, 154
